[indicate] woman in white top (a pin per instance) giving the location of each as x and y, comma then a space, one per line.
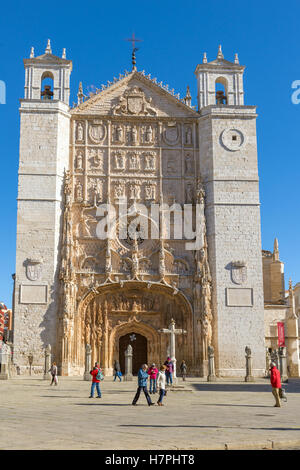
161, 384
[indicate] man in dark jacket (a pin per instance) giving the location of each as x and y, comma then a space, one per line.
142, 385
276, 383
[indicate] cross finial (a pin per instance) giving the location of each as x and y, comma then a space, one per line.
32, 53
133, 40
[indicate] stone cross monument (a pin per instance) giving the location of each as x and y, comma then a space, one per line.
283, 363
47, 362
88, 363
128, 364
172, 331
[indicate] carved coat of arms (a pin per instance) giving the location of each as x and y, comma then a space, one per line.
238, 272
97, 131
171, 134
33, 269
134, 102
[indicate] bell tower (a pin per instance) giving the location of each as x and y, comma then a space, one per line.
220, 71
44, 158
228, 168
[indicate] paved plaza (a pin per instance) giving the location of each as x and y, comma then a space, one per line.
221, 415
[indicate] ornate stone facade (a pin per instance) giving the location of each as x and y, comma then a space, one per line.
135, 139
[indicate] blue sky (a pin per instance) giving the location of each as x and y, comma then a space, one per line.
175, 34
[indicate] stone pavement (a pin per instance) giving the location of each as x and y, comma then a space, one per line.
233, 415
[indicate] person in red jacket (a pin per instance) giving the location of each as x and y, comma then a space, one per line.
152, 372
276, 383
95, 381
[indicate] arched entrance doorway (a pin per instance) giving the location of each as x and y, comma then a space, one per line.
139, 351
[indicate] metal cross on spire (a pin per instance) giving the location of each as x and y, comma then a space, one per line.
133, 40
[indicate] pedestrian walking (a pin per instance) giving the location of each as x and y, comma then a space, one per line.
142, 385
161, 384
117, 371
97, 375
183, 370
152, 372
276, 383
169, 370
53, 372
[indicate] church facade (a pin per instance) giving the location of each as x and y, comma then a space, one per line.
136, 141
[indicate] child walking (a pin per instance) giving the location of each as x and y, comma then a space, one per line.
161, 384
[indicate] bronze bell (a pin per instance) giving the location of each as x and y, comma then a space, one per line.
47, 94
221, 98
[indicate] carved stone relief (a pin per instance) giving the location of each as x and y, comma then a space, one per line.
95, 159
134, 102
171, 133
97, 131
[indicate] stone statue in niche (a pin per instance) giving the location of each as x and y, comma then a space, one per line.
188, 164
97, 192
134, 135
149, 134
150, 191
79, 131
119, 133
135, 191
189, 193
119, 190
119, 161
78, 192
188, 136
79, 161
149, 161
134, 161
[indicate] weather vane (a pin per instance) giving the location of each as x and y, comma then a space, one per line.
133, 40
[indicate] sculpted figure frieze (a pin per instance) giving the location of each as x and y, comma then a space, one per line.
150, 161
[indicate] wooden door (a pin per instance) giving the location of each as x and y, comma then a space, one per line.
139, 351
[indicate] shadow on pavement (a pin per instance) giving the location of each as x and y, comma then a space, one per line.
103, 404
290, 387
204, 427
229, 404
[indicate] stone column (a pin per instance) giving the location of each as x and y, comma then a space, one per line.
47, 362
249, 377
88, 364
211, 365
128, 364
283, 364
4, 358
